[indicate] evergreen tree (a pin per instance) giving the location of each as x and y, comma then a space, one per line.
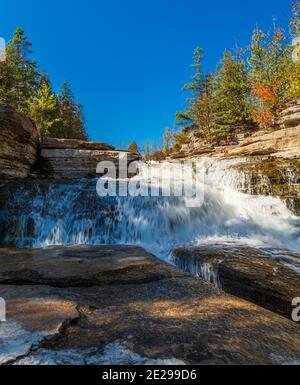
198, 79
72, 124
185, 119
203, 109
19, 77
232, 94
133, 147
44, 109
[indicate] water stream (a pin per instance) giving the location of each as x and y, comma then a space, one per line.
61, 214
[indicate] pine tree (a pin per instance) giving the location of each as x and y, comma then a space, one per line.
203, 109
185, 119
72, 124
198, 79
44, 109
232, 94
133, 147
19, 77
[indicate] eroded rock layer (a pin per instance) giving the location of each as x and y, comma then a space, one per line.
19, 142
74, 159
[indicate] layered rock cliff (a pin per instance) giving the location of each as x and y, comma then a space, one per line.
23, 154
74, 159
19, 140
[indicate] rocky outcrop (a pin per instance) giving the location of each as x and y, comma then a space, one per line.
246, 272
290, 116
74, 159
283, 143
120, 305
19, 141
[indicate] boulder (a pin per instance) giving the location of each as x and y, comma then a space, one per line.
124, 306
19, 140
246, 272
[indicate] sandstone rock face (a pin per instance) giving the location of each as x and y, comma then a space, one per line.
19, 141
290, 117
283, 143
73, 159
124, 306
247, 273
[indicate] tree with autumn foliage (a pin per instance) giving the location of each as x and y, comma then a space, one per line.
269, 62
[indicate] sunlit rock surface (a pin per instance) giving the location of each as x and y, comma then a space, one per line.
75, 159
137, 310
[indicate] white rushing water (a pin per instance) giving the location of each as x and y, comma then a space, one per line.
60, 214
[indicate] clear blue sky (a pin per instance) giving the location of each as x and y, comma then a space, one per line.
128, 59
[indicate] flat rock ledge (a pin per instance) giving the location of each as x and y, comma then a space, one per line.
121, 305
268, 281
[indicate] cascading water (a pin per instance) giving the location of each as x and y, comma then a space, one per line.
51, 213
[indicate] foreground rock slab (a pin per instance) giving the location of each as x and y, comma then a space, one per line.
246, 272
126, 307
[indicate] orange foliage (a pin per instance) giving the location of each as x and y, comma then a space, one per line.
264, 93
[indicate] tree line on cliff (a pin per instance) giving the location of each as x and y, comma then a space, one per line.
247, 90
23, 86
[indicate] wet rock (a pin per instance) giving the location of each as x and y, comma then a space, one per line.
279, 178
141, 311
246, 272
19, 140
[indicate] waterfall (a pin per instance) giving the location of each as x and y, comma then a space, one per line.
45, 213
